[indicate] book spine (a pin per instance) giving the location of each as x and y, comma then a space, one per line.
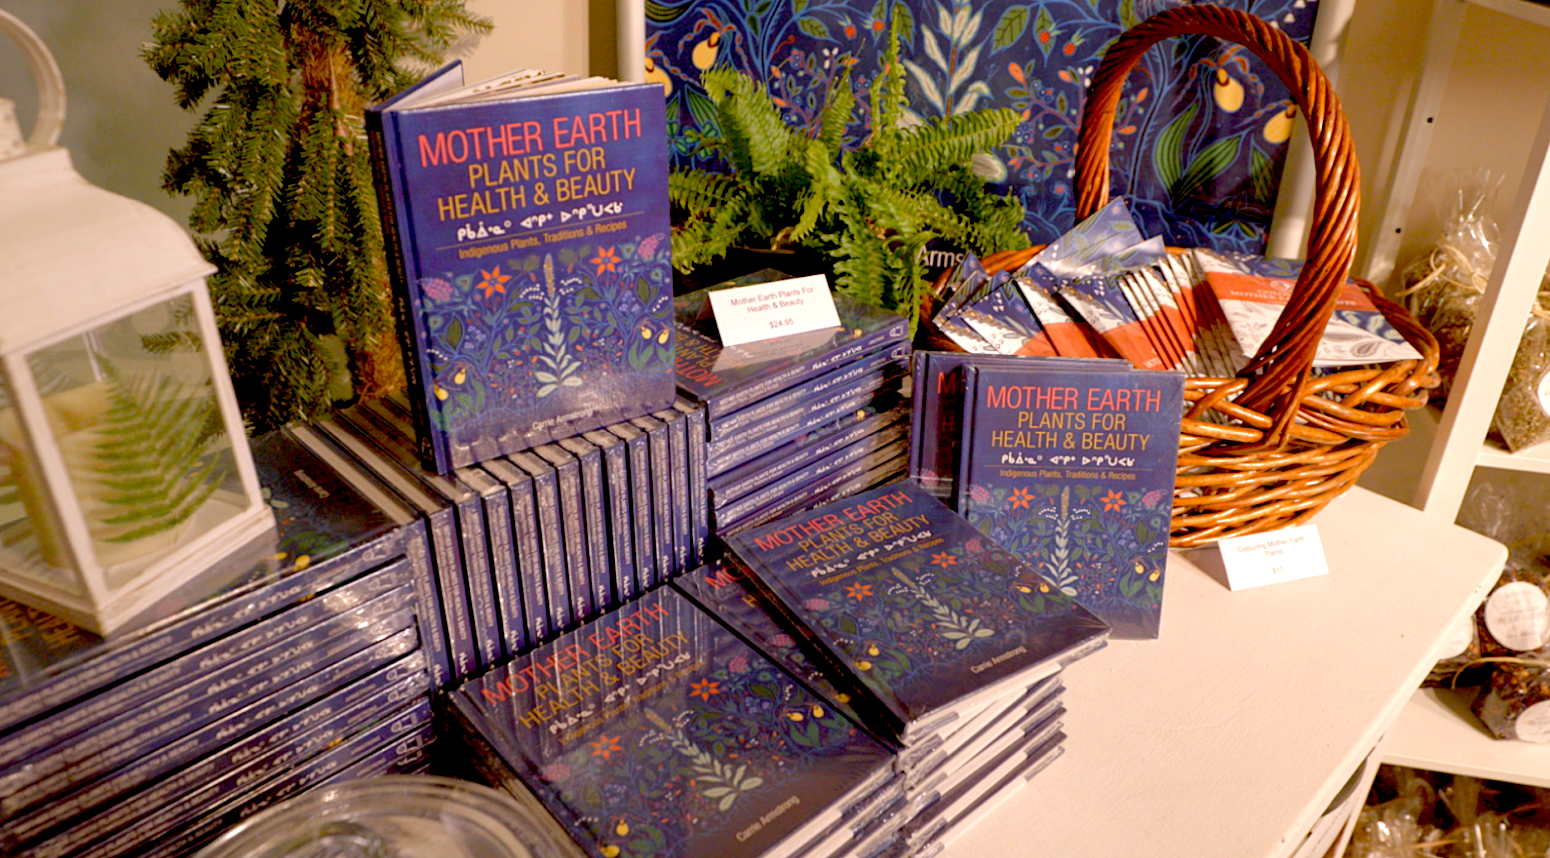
263, 782
454, 596
781, 461
573, 531
116, 666
546, 497
428, 613
920, 363
503, 570
806, 392
135, 692
661, 494
642, 505
732, 400
968, 407
725, 455
886, 472
699, 490
378, 675
678, 487
851, 462
599, 568
478, 582
387, 175
528, 549
207, 698
620, 524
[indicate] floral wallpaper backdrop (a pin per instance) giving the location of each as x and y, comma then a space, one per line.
1200, 133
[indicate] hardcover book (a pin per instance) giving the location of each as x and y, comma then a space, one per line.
573, 529
595, 502
530, 258
735, 482
526, 544
922, 610
642, 504
655, 731
678, 486
726, 378
661, 494
500, 544
1072, 470
551, 538
699, 475
829, 488
619, 516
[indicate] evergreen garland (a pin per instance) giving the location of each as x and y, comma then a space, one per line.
285, 205
868, 210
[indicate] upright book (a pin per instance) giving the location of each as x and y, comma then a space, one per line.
923, 611
656, 731
530, 257
1072, 469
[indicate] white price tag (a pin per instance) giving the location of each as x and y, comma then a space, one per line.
747, 314
1268, 558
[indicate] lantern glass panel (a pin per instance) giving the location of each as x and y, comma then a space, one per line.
133, 410
32, 544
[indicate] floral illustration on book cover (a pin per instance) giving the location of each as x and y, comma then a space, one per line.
513, 331
665, 735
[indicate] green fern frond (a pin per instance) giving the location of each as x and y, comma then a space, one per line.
838, 112
703, 239
946, 142
888, 94
757, 137
696, 191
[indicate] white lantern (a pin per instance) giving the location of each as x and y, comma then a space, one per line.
124, 470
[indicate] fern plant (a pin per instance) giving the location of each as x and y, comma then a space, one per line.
868, 211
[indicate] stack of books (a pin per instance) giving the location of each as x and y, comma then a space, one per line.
1070, 463
940, 640
532, 544
796, 420
295, 662
863, 679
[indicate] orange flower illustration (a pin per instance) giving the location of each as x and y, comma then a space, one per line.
1112, 501
1020, 498
494, 281
704, 689
605, 260
605, 745
858, 591
944, 560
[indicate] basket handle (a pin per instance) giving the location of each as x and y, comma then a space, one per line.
1280, 370
45, 73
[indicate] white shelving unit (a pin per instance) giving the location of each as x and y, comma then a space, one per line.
1436, 731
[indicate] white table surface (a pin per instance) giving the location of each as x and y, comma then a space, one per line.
1230, 734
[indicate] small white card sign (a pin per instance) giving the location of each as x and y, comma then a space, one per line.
1269, 558
746, 314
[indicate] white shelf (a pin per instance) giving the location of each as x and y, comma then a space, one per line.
1230, 735
1437, 732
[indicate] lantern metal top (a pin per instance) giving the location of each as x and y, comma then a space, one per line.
72, 254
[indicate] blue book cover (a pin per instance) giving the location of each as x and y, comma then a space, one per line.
923, 610
619, 522
595, 507
642, 503
500, 544
441, 530
551, 538
528, 236
326, 533
573, 529
661, 494
726, 378
656, 732
527, 547
699, 479
1072, 470
937, 408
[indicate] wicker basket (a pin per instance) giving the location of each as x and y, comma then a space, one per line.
1271, 447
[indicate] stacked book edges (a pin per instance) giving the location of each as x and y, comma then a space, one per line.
296, 662
797, 420
1103, 290
823, 700
524, 547
1069, 463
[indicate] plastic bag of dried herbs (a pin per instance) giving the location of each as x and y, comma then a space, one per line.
1443, 287
1523, 414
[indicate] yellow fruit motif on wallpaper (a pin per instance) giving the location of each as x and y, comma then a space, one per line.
1228, 92
1280, 126
704, 54
622, 828
610, 851
656, 74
